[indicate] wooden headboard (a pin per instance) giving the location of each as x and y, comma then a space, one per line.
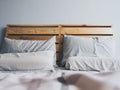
43, 32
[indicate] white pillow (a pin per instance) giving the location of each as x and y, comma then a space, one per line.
77, 46
21, 46
105, 47
93, 63
42, 60
87, 47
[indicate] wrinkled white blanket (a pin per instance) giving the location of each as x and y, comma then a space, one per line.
60, 81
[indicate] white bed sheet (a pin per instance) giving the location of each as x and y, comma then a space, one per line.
47, 80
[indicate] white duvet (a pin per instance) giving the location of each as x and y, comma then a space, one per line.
60, 81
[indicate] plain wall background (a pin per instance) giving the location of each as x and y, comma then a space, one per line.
61, 12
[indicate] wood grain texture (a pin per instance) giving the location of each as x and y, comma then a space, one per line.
46, 31
88, 30
32, 30
56, 25
24, 37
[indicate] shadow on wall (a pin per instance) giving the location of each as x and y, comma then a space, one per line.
2, 34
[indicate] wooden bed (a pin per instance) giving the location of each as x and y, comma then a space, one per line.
43, 32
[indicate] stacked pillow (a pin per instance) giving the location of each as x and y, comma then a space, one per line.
87, 47
12, 47
41, 54
76, 46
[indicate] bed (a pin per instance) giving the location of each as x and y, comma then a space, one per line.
44, 57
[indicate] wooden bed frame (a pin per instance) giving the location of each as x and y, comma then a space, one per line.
43, 32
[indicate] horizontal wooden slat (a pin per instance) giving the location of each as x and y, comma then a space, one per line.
18, 30
94, 36
30, 37
51, 25
34, 38
32, 25
86, 31
84, 25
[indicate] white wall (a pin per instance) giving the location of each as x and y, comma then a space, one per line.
61, 12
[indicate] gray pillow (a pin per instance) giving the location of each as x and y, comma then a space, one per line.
77, 46
105, 47
87, 47
22, 46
